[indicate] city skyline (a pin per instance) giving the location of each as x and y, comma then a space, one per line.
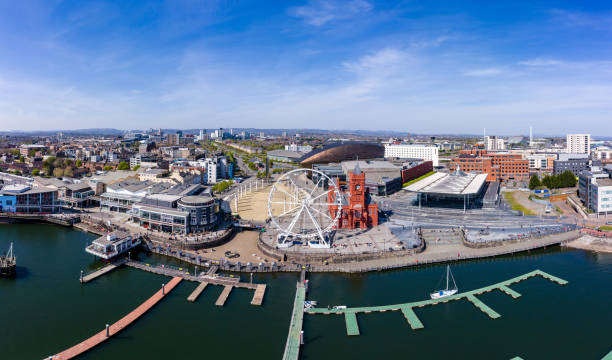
363, 65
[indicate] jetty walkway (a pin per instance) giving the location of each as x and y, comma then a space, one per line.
407, 309
118, 326
294, 339
99, 272
229, 282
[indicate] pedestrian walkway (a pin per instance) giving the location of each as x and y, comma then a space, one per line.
118, 326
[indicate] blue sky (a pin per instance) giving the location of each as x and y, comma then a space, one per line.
416, 66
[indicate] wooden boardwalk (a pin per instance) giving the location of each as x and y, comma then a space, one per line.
224, 295
194, 295
259, 294
108, 268
118, 326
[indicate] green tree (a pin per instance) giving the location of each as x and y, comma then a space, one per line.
136, 168
108, 168
68, 172
79, 163
22, 159
35, 172
67, 163
567, 179
123, 166
534, 182
32, 153
58, 172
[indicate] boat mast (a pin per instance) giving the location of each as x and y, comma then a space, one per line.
447, 270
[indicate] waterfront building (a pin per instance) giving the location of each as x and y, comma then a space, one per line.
412, 151
176, 213
358, 211
76, 195
120, 196
112, 244
21, 198
579, 143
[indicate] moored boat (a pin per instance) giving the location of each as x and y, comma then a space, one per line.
448, 291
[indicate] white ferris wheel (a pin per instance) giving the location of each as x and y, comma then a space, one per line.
300, 208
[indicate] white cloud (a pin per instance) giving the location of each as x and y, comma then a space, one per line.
382, 59
483, 72
321, 12
541, 62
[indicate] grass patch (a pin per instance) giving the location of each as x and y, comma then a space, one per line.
418, 179
509, 196
605, 228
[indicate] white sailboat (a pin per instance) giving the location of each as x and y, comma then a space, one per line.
448, 291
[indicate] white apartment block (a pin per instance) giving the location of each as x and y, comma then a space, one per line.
602, 153
601, 195
412, 151
579, 143
495, 143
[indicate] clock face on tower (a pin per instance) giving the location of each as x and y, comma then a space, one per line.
357, 187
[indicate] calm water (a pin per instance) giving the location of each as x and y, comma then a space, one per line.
46, 309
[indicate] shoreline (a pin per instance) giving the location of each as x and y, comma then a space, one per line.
590, 243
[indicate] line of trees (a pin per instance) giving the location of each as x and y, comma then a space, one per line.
563, 180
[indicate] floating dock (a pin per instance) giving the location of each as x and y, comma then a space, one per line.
194, 295
259, 294
224, 295
108, 268
294, 339
105, 334
407, 309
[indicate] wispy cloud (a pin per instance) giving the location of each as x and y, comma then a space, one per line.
484, 72
601, 20
321, 12
541, 62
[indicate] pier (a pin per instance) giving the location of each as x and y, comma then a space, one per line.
294, 339
97, 273
113, 329
224, 295
350, 314
229, 282
194, 295
259, 294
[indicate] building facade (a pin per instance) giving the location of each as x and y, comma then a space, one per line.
579, 143
412, 151
359, 212
501, 167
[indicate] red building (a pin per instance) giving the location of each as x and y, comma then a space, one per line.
357, 211
500, 166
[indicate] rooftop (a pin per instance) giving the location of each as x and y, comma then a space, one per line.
447, 184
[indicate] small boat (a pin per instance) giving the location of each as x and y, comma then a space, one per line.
448, 291
8, 263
